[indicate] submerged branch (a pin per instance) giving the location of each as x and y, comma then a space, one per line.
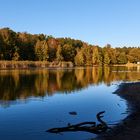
91, 127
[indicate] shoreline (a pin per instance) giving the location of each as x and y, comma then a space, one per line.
11, 65
129, 128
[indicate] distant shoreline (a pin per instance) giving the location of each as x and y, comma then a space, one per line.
47, 64
127, 65
34, 64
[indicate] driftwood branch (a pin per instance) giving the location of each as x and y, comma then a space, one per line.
91, 127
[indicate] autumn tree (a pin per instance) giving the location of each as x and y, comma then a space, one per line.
79, 58
68, 52
59, 56
26, 46
134, 55
95, 56
26, 43
122, 58
9, 39
1, 48
41, 51
106, 59
87, 50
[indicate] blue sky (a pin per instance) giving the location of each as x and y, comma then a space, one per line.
94, 21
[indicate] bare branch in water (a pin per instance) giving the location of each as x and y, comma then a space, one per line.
91, 127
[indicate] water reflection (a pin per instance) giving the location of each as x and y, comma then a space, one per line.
43, 99
21, 84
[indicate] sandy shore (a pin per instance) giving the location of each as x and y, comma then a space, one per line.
129, 128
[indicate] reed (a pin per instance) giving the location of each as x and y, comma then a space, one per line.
33, 64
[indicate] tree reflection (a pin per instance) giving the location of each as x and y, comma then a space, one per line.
22, 84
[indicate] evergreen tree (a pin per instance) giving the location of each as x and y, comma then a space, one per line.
9, 39
16, 55
68, 52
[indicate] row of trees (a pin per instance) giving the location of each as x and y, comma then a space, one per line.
39, 47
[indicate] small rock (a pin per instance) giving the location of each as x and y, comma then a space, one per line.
73, 113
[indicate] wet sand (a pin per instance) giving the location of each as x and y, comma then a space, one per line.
129, 128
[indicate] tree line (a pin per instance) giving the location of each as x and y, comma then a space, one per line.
21, 46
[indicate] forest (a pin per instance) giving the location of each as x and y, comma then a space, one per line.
23, 46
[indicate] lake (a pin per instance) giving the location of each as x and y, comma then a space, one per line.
33, 101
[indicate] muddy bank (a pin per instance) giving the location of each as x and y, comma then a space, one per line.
129, 128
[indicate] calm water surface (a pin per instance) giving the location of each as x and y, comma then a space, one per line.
32, 101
